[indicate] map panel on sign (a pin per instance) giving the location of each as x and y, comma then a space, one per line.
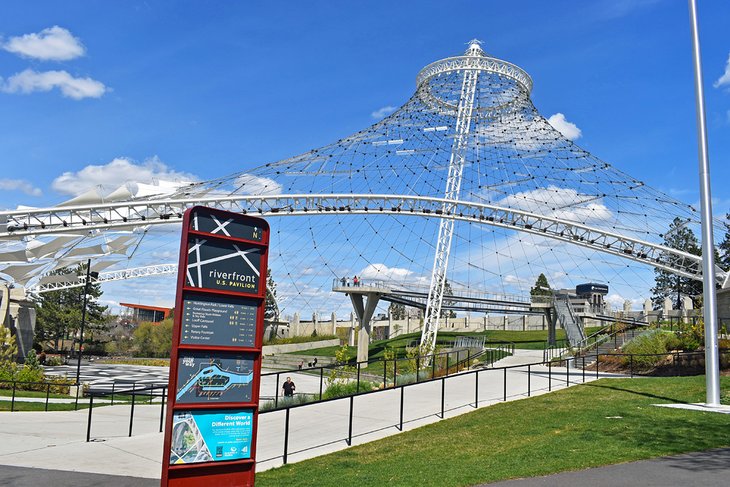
210, 436
202, 221
225, 266
206, 377
219, 321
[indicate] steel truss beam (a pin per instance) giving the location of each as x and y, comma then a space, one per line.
86, 218
132, 273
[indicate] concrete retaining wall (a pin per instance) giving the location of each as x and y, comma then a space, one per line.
298, 347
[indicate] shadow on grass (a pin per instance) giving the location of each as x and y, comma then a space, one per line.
638, 393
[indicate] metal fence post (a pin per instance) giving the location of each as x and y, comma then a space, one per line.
385, 373
528, 380
433, 365
48, 393
443, 396
402, 392
349, 429
598, 357
88, 423
476, 389
358, 378
504, 380
395, 372
162, 406
584, 368
321, 381
114, 383
131, 414
418, 366
567, 372
12, 402
286, 436
550, 376
276, 392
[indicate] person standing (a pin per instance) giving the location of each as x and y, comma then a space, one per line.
288, 388
355, 281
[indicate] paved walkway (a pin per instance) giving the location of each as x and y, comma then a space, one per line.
708, 469
56, 440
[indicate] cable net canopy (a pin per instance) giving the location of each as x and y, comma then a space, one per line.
513, 159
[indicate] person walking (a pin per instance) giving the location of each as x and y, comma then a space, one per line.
288, 388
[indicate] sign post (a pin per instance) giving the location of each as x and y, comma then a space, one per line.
215, 362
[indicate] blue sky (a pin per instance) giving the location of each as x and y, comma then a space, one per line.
205, 89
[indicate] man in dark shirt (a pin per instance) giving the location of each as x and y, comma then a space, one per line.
288, 387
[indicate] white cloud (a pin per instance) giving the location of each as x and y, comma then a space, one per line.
563, 203
383, 111
29, 81
115, 173
568, 129
256, 185
616, 302
385, 273
724, 80
52, 44
19, 185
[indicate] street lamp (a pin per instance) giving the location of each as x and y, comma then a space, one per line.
89, 275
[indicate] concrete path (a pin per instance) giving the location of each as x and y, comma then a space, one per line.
56, 440
709, 469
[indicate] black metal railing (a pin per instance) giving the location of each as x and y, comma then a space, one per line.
582, 366
148, 392
30, 386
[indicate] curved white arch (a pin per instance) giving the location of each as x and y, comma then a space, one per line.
42, 221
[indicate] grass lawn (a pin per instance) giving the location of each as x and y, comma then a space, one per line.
41, 406
19, 393
603, 422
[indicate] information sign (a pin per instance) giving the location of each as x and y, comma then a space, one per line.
219, 321
211, 436
215, 365
205, 377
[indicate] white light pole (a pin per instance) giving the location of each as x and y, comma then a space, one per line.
712, 364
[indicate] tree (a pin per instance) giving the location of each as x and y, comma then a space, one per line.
668, 284
450, 313
724, 246
58, 313
397, 311
272, 307
541, 287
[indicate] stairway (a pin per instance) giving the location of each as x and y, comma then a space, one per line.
617, 341
568, 321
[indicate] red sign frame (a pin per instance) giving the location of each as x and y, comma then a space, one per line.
238, 472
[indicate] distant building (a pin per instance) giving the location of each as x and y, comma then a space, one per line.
594, 294
140, 312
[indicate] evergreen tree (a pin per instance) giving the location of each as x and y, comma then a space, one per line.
272, 307
668, 284
397, 311
447, 292
541, 287
58, 313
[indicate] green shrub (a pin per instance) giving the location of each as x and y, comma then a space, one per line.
283, 402
648, 348
343, 389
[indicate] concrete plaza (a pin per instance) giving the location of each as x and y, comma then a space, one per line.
57, 440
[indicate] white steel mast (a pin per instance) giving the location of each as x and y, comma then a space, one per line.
453, 187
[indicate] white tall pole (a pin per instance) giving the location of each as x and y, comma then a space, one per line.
712, 364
